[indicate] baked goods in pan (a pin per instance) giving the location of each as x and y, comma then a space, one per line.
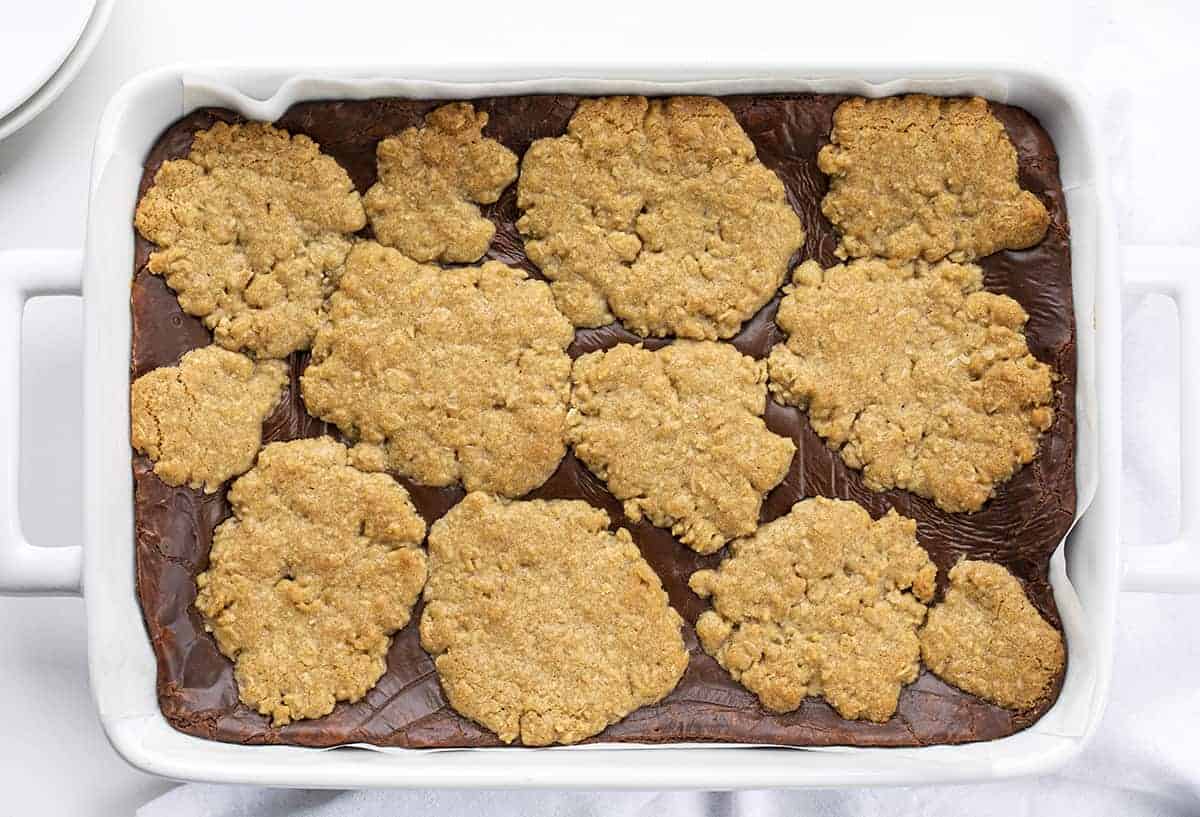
1017, 527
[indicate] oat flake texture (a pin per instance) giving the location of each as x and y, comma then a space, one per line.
916, 375
200, 422
318, 566
657, 212
677, 434
430, 180
545, 626
444, 375
925, 177
822, 601
252, 228
986, 638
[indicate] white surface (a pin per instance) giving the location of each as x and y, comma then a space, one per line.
122, 668
35, 39
1137, 57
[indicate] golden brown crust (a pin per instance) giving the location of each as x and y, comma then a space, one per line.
430, 181
918, 377
545, 626
318, 566
925, 177
445, 375
201, 421
987, 639
658, 212
252, 228
823, 601
678, 436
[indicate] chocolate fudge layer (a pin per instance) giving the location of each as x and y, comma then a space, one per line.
1019, 528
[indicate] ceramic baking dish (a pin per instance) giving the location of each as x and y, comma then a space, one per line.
1086, 573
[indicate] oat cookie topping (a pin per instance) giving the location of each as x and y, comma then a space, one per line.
986, 638
318, 566
544, 625
252, 228
926, 177
657, 212
201, 421
823, 601
914, 374
444, 375
429, 181
678, 436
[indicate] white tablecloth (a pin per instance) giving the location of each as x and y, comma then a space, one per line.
1139, 60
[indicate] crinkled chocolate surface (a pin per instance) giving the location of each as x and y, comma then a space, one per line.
1019, 528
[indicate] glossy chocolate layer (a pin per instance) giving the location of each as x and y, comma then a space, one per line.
1019, 528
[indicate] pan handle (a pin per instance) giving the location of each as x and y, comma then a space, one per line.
27, 570
1173, 567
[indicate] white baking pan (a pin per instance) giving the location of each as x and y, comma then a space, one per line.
1086, 574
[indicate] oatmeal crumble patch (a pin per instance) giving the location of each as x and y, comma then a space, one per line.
431, 180
917, 376
823, 601
656, 212
252, 228
926, 177
444, 375
200, 422
677, 434
986, 638
318, 566
545, 626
